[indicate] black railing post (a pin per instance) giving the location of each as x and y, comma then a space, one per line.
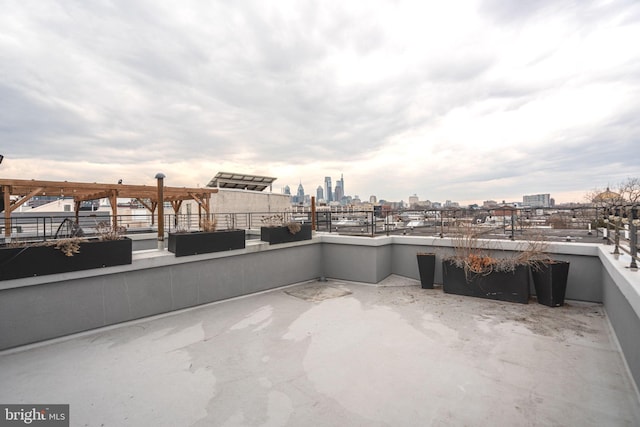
616, 219
633, 242
373, 224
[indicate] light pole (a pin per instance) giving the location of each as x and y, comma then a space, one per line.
160, 177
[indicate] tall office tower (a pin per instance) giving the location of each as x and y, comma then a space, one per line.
319, 193
338, 192
300, 192
342, 185
287, 190
327, 189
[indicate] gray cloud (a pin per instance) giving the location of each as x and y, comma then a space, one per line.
272, 86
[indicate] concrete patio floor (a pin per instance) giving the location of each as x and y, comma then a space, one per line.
337, 354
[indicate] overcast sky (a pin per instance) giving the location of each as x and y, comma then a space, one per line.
460, 100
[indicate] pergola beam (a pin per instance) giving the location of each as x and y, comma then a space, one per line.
23, 199
85, 191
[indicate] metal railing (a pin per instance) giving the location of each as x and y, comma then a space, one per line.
617, 225
621, 225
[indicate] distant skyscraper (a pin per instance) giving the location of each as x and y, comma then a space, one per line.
373, 199
342, 186
300, 192
327, 189
287, 190
319, 193
339, 193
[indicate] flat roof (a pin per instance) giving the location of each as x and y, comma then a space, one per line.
338, 353
241, 181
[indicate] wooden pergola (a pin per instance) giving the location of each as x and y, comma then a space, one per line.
147, 195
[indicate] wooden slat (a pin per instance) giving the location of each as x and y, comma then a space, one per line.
83, 191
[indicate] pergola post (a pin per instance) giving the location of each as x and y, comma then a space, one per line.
113, 199
76, 208
7, 211
160, 177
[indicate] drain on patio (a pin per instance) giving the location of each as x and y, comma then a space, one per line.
317, 293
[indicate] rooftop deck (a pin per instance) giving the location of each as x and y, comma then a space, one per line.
337, 353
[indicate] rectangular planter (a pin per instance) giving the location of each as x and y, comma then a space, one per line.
281, 234
202, 242
511, 286
427, 269
32, 261
550, 282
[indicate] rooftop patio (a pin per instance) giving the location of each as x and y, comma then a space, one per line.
337, 353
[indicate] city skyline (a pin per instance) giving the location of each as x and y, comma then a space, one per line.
304, 197
466, 101
540, 200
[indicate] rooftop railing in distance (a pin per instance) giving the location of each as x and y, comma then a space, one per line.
615, 225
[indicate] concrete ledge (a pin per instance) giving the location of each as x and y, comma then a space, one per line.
621, 297
627, 281
148, 258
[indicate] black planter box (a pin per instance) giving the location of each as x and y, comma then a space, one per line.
32, 261
281, 234
511, 286
550, 281
203, 242
427, 269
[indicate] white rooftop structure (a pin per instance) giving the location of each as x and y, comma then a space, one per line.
241, 181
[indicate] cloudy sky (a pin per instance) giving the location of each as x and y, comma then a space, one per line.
461, 100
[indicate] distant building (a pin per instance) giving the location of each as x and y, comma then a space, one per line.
373, 199
36, 201
607, 197
299, 199
413, 200
240, 192
319, 193
339, 192
537, 200
489, 204
328, 189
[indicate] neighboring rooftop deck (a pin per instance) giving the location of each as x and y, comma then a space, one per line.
337, 353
